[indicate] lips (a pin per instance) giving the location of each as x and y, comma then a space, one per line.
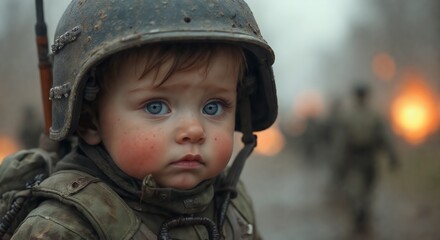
189, 161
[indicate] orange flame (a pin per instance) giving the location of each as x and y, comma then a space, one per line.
414, 112
383, 66
270, 141
7, 147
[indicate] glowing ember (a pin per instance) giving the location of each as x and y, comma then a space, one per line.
7, 147
383, 66
270, 141
309, 104
414, 111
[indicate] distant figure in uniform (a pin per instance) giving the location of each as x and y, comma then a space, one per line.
31, 128
330, 128
361, 135
311, 139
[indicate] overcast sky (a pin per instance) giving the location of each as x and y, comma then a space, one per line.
300, 32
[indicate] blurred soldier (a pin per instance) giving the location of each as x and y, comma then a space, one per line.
331, 126
360, 137
331, 135
332, 122
311, 139
31, 128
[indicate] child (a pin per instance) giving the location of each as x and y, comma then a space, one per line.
154, 91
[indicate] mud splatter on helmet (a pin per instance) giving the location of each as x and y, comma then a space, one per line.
90, 31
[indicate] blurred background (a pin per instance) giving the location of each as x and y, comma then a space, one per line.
323, 48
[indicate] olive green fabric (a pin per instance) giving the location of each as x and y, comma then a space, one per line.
53, 218
106, 211
16, 172
18, 169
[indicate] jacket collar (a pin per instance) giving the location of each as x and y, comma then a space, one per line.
143, 195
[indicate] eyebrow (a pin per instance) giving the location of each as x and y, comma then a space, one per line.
179, 87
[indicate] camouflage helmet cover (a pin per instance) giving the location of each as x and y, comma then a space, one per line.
90, 31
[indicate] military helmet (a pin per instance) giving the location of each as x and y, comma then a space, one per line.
90, 31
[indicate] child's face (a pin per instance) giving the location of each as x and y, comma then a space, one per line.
181, 132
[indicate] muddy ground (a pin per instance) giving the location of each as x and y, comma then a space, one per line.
293, 201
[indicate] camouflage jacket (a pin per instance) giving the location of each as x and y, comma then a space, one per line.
125, 208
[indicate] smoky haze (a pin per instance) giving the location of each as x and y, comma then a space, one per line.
321, 46
20, 84
18, 69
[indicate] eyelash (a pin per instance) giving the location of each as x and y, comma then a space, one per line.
224, 106
225, 103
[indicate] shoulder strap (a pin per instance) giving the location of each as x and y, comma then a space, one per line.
242, 215
110, 216
243, 203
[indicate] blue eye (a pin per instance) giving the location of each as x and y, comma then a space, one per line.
157, 108
213, 108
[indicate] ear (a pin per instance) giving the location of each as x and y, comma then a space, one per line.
88, 127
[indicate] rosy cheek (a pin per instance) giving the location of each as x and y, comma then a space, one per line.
138, 156
223, 148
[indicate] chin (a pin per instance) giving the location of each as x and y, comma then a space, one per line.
183, 184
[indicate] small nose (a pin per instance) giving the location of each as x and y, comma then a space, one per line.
191, 131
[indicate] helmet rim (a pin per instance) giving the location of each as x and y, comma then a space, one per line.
250, 40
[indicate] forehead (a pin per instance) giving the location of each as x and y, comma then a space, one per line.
218, 74
182, 56
168, 59
220, 69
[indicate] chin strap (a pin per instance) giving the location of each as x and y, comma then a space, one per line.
229, 184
